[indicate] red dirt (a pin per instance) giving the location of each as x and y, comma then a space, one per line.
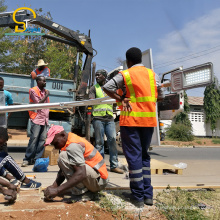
30, 205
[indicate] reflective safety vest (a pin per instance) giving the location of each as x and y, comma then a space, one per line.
142, 90
92, 156
33, 114
102, 109
44, 72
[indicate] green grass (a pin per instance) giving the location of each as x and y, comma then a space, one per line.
198, 142
216, 141
184, 204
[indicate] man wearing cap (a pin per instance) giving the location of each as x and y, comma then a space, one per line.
39, 122
42, 70
103, 122
80, 164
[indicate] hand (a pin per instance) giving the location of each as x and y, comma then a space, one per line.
51, 192
126, 104
12, 186
10, 195
47, 93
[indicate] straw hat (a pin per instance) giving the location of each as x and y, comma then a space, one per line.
41, 63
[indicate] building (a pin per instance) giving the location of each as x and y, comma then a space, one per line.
197, 118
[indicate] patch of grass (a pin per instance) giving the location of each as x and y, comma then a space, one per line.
105, 203
198, 142
180, 132
216, 141
184, 204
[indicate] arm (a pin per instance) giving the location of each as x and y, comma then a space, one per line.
77, 162
110, 89
9, 101
78, 176
7, 184
92, 93
59, 180
36, 98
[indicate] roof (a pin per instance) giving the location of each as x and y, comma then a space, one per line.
193, 100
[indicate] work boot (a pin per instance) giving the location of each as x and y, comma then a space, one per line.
148, 202
133, 200
117, 170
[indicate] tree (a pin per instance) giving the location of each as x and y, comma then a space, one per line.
181, 128
20, 55
212, 103
183, 117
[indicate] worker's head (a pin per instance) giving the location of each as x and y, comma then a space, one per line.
1, 84
100, 76
56, 136
3, 136
41, 64
41, 82
133, 56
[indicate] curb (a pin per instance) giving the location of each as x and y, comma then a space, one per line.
17, 143
175, 146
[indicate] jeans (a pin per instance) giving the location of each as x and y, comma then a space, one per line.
107, 128
35, 148
8, 163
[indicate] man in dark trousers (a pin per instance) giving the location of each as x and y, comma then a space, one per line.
137, 122
39, 122
103, 122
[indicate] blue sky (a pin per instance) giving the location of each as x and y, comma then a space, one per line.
179, 32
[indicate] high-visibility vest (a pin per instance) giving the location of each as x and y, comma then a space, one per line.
102, 109
92, 156
142, 90
44, 72
33, 114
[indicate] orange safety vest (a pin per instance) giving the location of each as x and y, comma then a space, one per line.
33, 114
46, 69
142, 90
92, 156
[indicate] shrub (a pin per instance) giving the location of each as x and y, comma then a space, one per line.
180, 132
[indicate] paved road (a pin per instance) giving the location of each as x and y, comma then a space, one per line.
164, 154
202, 167
158, 153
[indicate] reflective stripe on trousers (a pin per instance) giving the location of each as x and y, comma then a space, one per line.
135, 144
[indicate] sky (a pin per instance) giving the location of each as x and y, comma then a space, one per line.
179, 32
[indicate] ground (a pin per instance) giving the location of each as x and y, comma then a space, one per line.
31, 205
196, 142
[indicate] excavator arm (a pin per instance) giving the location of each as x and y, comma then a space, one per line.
80, 41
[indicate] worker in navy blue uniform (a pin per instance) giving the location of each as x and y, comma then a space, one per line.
137, 102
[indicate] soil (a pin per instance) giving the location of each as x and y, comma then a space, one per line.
197, 142
30, 205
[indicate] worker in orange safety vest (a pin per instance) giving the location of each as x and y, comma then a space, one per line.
137, 122
39, 122
80, 164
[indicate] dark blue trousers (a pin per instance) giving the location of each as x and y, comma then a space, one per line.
8, 163
135, 144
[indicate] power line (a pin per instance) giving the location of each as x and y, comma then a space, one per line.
182, 59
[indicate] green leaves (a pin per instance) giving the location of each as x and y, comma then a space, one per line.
20, 55
212, 103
